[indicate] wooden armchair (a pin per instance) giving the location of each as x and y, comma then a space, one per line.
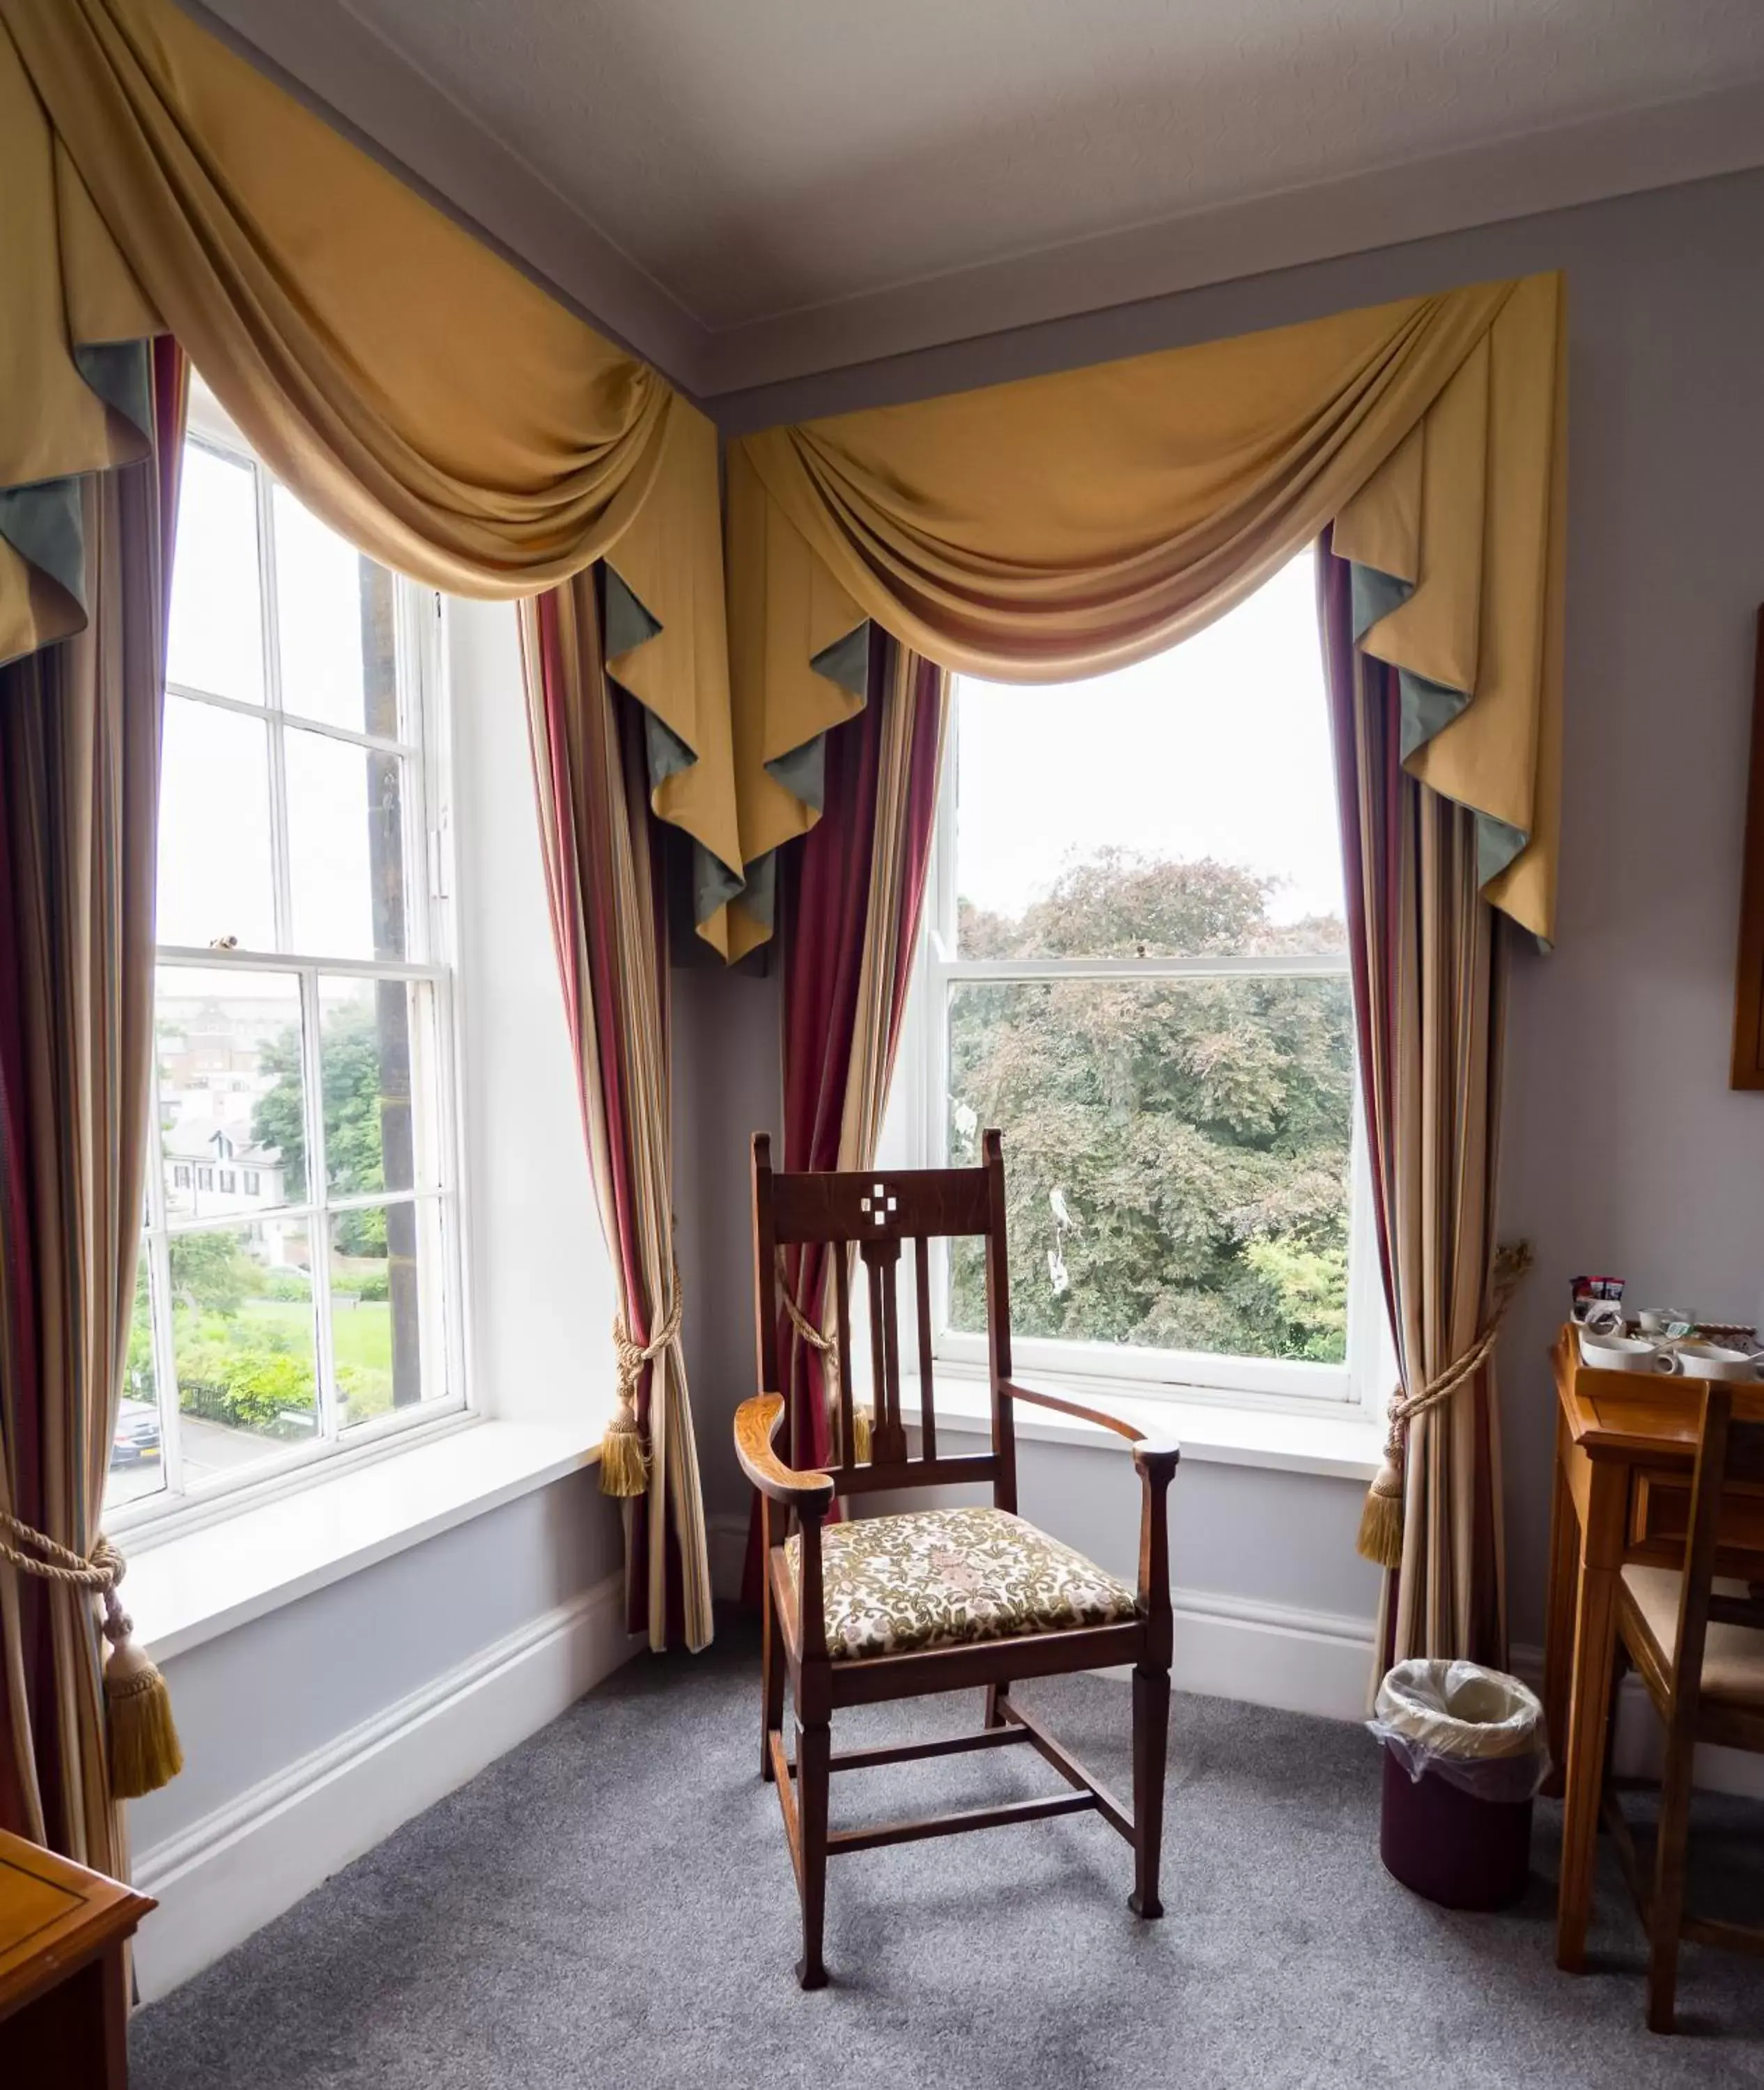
1698, 1644
935, 1600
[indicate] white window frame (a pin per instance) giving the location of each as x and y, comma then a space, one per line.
423, 740
919, 1124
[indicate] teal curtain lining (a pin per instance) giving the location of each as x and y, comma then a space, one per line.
1428, 707
121, 372
802, 770
42, 523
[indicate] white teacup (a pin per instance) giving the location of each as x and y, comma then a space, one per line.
1714, 1361
1629, 1354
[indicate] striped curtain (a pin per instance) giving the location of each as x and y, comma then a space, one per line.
603, 875
850, 935
79, 734
1429, 998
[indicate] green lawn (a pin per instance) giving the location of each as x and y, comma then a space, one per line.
362, 1334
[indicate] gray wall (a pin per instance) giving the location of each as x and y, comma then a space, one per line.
1624, 1150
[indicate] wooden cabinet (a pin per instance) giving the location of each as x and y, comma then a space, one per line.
63, 1977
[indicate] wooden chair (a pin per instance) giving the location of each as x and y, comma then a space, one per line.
1697, 1643
935, 1600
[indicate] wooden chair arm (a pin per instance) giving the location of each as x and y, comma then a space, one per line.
1149, 1453
756, 1423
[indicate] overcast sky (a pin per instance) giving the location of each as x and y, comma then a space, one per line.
215, 871
1218, 748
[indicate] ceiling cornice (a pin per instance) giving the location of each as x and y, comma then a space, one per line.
325, 53
1720, 133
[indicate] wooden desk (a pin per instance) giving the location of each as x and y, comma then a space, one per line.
1624, 1444
63, 1986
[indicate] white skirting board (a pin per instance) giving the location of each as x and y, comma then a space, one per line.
233, 1871
1225, 1647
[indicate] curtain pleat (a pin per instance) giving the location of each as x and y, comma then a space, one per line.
80, 742
1428, 965
603, 880
1063, 526
856, 895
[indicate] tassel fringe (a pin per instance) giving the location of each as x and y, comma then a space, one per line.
862, 1424
624, 1459
146, 1753
1381, 1521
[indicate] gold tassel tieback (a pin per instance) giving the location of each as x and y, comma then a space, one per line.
142, 1737
624, 1456
1381, 1521
861, 1417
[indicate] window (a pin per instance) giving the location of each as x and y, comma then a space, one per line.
299, 1282
1136, 966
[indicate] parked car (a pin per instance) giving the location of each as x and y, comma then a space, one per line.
137, 1436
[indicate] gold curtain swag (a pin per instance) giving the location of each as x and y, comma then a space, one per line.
1059, 526
413, 388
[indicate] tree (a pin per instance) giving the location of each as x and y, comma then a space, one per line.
211, 1274
1178, 1149
351, 1083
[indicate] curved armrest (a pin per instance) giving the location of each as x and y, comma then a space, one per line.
1149, 1455
756, 1423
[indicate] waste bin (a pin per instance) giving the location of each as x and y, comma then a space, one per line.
1463, 1757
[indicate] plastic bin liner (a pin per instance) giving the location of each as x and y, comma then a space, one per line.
1480, 1730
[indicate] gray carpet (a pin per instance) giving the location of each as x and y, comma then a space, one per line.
612, 1904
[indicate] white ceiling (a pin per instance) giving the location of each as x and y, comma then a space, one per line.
756, 159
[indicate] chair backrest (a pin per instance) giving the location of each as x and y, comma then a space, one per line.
1728, 1450
883, 1215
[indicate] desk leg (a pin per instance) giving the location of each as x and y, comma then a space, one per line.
1589, 1707
1559, 1616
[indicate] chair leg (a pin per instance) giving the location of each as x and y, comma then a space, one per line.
772, 1667
1666, 1908
813, 1749
996, 1695
1151, 1740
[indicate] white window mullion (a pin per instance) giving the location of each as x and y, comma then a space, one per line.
317, 1191
157, 1250
278, 769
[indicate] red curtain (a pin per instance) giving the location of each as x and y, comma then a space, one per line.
854, 899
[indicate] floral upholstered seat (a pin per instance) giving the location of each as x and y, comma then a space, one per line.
942, 1577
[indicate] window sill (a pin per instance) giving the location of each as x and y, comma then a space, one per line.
196, 1584
1340, 1442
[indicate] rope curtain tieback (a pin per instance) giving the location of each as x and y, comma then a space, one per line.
862, 1419
144, 1751
1381, 1522
624, 1456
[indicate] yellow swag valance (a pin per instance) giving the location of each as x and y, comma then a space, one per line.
416, 391
1062, 525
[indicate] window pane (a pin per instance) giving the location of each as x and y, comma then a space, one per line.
336, 626
1181, 808
1177, 1158
376, 1040
241, 1340
137, 1446
345, 848
215, 638
386, 1265
215, 879
231, 1099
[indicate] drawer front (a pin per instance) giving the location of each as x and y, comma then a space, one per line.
1659, 1519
